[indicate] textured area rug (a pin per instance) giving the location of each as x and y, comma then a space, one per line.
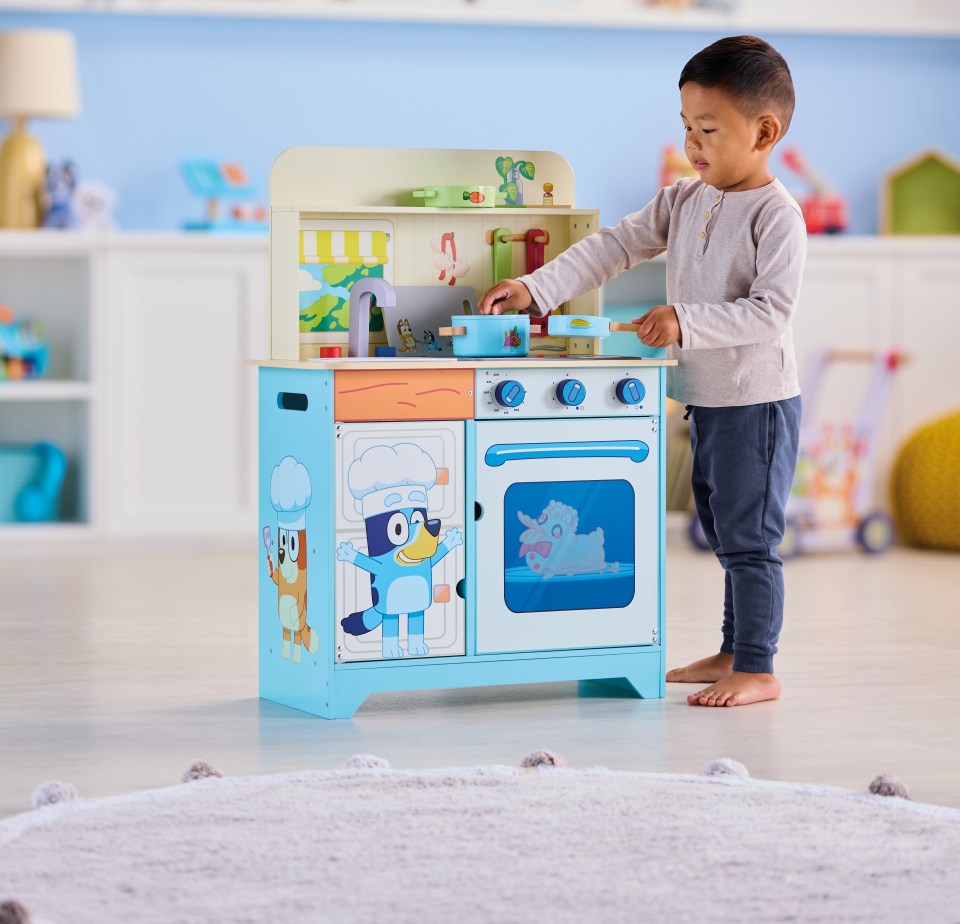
484, 844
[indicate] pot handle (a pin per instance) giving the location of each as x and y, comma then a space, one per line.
452, 331
628, 328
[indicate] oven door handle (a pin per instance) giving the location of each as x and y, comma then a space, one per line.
499, 453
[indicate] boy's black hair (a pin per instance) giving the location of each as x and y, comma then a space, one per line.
750, 70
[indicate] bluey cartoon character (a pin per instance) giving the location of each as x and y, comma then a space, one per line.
403, 546
430, 341
290, 494
550, 544
408, 343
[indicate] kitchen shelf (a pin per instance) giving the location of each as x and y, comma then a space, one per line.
552, 211
857, 17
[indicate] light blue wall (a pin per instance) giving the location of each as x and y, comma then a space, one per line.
157, 89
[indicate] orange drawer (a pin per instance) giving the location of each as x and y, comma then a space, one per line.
437, 394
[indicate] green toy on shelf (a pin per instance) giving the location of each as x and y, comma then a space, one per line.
457, 197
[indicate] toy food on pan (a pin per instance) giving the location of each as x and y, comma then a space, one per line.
578, 325
489, 334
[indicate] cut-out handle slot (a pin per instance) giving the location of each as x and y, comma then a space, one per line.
291, 401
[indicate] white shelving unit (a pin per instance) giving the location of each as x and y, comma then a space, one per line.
51, 279
928, 17
146, 382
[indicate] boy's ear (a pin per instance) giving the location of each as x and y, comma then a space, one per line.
769, 131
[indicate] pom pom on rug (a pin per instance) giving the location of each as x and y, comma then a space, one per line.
886, 785
726, 766
200, 770
366, 762
51, 792
14, 912
543, 759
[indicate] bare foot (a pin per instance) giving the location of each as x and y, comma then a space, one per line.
739, 689
706, 670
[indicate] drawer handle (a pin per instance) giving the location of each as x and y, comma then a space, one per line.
634, 450
291, 401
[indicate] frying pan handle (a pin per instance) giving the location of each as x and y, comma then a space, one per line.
629, 328
452, 331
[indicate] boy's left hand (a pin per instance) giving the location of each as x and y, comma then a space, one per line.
659, 327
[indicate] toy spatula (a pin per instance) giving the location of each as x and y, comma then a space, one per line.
579, 325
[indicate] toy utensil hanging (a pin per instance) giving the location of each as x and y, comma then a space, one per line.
577, 325
535, 241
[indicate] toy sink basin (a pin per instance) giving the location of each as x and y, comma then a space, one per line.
457, 197
494, 335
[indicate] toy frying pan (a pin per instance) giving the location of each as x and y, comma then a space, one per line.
578, 325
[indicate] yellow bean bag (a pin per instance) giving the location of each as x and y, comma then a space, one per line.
926, 486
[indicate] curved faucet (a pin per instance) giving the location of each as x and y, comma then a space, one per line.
361, 295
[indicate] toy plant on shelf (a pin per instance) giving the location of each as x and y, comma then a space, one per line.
23, 350
513, 173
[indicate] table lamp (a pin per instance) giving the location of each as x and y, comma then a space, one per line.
38, 79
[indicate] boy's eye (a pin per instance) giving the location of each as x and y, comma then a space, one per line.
709, 131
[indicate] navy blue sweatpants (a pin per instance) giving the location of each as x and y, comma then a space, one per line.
743, 464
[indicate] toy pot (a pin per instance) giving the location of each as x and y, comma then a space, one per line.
489, 335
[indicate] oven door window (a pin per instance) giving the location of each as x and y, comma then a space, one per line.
568, 545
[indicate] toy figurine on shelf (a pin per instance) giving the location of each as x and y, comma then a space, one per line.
23, 349
215, 182
548, 194
61, 185
824, 211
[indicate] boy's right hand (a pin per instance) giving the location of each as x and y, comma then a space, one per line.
506, 295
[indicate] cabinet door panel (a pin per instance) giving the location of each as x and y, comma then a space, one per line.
181, 419
378, 472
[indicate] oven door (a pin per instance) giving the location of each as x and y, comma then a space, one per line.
567, 534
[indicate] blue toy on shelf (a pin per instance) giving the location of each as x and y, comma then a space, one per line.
213, 181
23, 349
31, 478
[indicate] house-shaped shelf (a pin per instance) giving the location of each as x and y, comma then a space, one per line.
922, 196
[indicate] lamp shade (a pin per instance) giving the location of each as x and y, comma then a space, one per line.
38, 74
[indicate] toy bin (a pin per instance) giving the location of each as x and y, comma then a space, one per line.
31, 479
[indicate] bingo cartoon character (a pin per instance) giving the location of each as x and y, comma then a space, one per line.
408, 343
403, 546
290, 494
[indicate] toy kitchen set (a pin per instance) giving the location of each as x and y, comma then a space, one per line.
444, 503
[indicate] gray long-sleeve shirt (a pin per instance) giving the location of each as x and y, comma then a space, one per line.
734, 266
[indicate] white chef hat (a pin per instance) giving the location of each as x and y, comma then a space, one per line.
290, 493
389, 477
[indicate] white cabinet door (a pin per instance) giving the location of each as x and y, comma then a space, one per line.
382, 470
181, 422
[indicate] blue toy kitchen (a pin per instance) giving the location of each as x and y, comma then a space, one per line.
430, 519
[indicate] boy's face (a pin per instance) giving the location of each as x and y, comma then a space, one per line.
729, 150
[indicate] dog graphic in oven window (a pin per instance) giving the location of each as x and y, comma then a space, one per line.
550, 545
403, 545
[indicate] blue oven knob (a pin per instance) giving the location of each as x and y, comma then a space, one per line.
571, 392
630, 391
509, 393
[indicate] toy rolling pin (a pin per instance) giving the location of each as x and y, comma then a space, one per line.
578, 325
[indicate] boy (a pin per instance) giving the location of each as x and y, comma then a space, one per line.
736, 243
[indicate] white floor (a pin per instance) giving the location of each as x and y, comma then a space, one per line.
120, 664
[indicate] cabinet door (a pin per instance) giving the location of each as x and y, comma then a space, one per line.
845, 303
181, 411
382, 469
927, 327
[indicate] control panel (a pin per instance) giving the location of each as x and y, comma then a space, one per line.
575, 391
